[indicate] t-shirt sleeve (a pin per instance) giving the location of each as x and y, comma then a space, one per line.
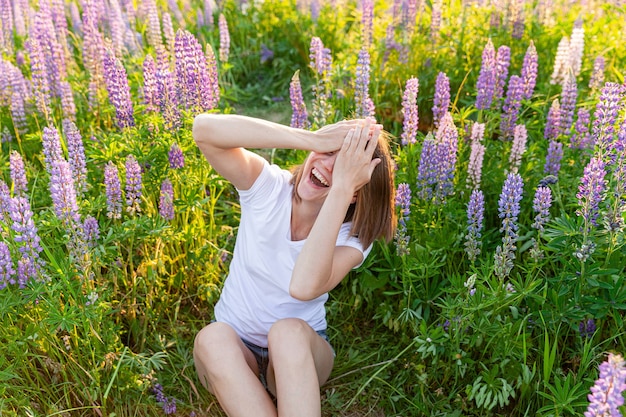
270, 182
344, 239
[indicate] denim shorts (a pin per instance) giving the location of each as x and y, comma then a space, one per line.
262, 356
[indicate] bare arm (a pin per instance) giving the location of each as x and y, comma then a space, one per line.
223, 139
321, 265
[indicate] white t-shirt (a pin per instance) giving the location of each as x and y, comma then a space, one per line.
256, 291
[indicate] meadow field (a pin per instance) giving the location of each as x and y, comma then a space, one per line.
503, 292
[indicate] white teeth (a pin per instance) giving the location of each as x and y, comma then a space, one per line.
319, 176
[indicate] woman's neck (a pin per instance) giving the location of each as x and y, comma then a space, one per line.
303, 216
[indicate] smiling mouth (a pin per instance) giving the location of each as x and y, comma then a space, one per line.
318, 179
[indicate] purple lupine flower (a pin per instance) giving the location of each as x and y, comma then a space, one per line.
211, 92
153, 30
76, 155
587, 328
133, 185
91, 231
486, 83
39, 75
113, 191
364, 104
596, 81
168, 99
581, 138
426, 171
5, 200
475, 220
63, 193
562, 63
150, 88
7, 272
591, 191
168, 404
508, 210
518, 18
503, 61
576, 47
553, 158
18, 174
29, 266
441, 100
168, 30
166, 200
435, 18
403, 201
18, 114
367, 22
607, 393
606, 114
541, 205
52, 150
319, 57
320, 61
208, 13
511, 107
569, 95
266, 54
224, 38
176, 157
118, 88
477, 153
447, 138
529, 71
553, 121
520, 136
299, 116
67, 100
194, 79
410, 111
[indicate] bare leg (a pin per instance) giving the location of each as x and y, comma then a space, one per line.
300, 362
227, 368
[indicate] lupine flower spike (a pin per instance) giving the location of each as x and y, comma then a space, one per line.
475, 216
410, 112
607, 396
299, 116
508, 211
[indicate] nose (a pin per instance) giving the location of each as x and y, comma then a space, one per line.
329, 160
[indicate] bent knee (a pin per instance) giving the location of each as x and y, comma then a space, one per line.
289, 333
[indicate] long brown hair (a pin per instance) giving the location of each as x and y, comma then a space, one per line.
373, 214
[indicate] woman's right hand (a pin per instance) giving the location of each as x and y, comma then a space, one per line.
329, 138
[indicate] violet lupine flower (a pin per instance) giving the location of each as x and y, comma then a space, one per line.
299, 116
133, 185
52, 150
427, 170
266, 54
503, 61
166, 200
591, 191
117, 86
193, 77
596, 81
486, 83
63, 193
587, 328
5, 201
403, 201
511, 107
176, 157
508, 210
569, 95
553, 121
562, 63
410, 111
606, 114
150, 88
447, 138
364, 104
475, 220
319, 57
541, 205
67, 100
553, 158
40, 81
29, 265
607, 393
441, 100
367, 21
224, 38
208, 13
520, 137
576, 47
518, 18
18, 174
435, 18
91, 231
7, 272
18, 113
76, 155
168, 30
475, 166
581, 138
168, 99
153, 30
168, 404
529, 71
211, 91
113, 191
321, 63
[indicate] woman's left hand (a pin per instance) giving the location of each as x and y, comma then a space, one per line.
354, 164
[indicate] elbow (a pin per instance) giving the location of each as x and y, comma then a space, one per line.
302, 293
201, 128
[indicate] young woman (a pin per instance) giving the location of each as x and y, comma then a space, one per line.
299, 236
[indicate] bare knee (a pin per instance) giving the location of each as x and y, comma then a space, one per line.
215, 346
289, 336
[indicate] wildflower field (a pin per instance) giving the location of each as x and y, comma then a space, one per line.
503, 292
